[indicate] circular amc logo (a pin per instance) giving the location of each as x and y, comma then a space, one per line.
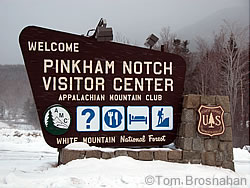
57, 120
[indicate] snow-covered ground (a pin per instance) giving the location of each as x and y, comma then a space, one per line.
26, 161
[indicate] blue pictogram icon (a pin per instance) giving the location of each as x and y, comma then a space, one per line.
87, 118
91, 116
138, 118
113, 118
161, 121
162, 118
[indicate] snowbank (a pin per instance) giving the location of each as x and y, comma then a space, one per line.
3, 125
26, 161
119, 172
27, 140
80, 146
242, 161
241, 155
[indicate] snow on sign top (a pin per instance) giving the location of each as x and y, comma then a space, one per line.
102, 93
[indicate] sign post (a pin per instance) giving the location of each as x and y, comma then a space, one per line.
102, 93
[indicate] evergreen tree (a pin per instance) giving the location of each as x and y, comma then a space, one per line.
50, 121
211, 120
30, 113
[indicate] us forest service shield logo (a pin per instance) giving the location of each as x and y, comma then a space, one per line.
211, 120
56, 120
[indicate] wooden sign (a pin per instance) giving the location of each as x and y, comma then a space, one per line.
211, 120
102, 93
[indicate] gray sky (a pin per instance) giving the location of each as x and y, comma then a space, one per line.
135, 19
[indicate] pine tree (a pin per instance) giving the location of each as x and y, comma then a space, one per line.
211, 120
30, 113
50, 121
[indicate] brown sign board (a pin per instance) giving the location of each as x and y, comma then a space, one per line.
211, 120
103, 93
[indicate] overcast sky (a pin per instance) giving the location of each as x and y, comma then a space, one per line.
135, 19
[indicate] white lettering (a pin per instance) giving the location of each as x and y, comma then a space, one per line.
42, 46
48, 63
